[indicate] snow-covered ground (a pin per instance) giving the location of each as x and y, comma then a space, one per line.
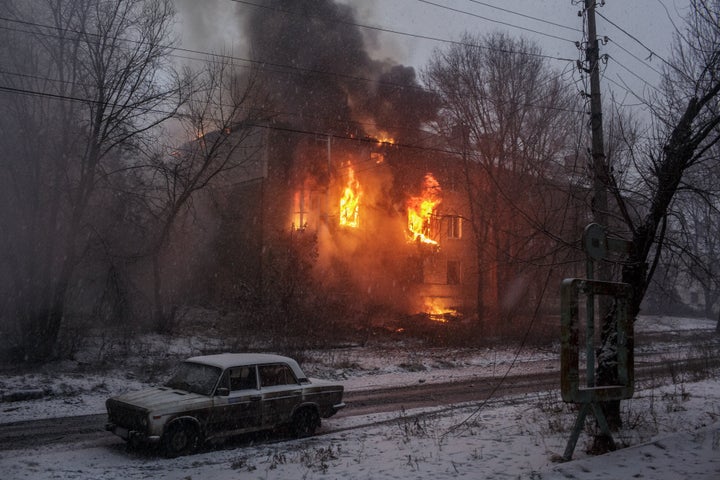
670, 430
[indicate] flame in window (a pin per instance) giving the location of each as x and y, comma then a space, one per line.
350, 202
301, 204
420, 211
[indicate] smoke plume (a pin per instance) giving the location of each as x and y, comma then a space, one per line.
318, 73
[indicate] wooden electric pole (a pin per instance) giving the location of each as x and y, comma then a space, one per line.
607, 373
592, 56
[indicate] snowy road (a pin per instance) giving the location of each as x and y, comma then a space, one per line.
88, 428
412, 413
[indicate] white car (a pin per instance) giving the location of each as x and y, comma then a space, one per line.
222, 395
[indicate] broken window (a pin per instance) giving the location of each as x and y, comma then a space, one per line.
301, 202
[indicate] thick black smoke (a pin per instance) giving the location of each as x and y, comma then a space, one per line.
318, 75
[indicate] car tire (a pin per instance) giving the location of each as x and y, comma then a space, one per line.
180, 439
304, 423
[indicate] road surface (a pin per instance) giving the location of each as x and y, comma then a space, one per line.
90, 428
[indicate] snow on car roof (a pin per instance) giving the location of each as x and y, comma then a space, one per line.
226, 360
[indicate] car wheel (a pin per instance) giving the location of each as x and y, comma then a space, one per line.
305, 421
179, 439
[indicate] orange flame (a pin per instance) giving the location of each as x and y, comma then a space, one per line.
381, 137
350, 202
420, 211
385, 139
438, 312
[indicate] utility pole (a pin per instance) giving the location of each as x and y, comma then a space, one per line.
592, 56
607, 373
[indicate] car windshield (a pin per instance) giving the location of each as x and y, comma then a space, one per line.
195, 377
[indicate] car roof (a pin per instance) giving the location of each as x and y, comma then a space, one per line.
227, 360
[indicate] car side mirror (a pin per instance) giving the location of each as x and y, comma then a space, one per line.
222, 392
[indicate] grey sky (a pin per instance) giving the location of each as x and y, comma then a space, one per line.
212, 25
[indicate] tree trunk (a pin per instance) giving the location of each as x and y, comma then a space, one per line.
607, 374
635, 274
480, 306
161, 322
677, 155
41, 328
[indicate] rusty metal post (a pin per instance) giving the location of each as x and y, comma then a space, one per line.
591, 396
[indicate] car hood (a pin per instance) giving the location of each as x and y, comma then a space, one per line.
164, 399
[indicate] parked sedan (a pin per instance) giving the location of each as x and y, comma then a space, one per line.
221, 395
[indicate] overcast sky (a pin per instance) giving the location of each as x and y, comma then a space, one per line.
420, 26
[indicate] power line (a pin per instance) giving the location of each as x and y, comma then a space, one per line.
507, 24
513, 12
23, 91
413, 35
628, 90
57, 96
396, 128
84, 100
634, 74
636, 57
651, 51
265, 64
262, 64
44, 79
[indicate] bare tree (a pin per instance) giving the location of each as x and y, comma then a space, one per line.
692, 240
510, 117
223, 123
686, 130
686, 119
695, 239
90, 81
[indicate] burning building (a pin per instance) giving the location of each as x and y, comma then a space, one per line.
386, 223
382, 221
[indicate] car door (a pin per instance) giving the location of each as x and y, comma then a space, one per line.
281, 392
237, 403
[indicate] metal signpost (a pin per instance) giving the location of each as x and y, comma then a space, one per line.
596, 245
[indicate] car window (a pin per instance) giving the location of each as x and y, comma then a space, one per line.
243, 378
278, 374
194, 377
